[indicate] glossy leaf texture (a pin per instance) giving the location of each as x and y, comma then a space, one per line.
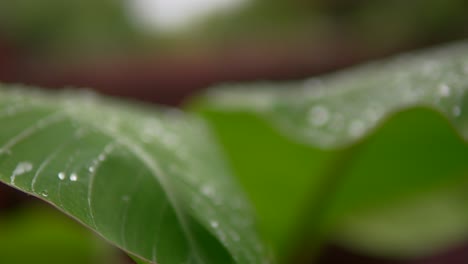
150, 181
362, 157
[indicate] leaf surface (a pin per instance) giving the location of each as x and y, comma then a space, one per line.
151, 182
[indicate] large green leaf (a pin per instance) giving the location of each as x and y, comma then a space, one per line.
353, 148
151, 182
338, 109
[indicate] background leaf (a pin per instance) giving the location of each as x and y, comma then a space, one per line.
48, 237
379, 140
152, 183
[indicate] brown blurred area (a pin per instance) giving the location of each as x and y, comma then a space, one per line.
272, 40
169, 78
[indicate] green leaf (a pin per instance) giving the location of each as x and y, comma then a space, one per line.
412, 172
377, 139
339, 109
427, 223
274, 171
151, 182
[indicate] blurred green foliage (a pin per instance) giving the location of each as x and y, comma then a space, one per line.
39, 234
106, 25
67, 26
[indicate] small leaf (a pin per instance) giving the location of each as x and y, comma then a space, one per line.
151, 182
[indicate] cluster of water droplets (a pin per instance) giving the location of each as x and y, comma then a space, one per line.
95, 163
337, 109
340, 108
73, 177
184, 151
194, 164
183, 148
156, 132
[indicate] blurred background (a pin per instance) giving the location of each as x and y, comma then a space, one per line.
163, 51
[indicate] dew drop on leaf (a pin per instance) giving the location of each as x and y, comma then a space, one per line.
444, 90
21, 168
61, 176
214, 224
73, 177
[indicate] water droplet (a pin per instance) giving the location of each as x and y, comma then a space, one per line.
356, 128
456, 110
61, 176
21, 168
44, 193
73, 177
318, 115
214, 224
444, 90
91, 169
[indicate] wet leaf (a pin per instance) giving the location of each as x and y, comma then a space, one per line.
345, 151
150, 181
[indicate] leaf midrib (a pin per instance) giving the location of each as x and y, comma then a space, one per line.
134, 148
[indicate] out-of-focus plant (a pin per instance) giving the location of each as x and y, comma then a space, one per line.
55, 26
71, 27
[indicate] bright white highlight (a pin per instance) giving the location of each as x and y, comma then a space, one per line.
169, 15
